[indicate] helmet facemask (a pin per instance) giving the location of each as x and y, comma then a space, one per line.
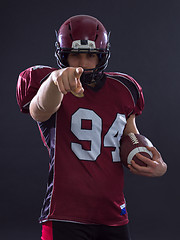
67, 45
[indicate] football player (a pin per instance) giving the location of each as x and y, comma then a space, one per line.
82, 113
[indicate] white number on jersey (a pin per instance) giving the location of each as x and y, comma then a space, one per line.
93, 135
113, 136
111, 139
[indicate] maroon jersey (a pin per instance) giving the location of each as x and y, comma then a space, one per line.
83, 138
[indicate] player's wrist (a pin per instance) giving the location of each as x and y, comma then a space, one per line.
53, 78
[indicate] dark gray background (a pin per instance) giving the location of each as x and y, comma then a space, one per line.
145, 39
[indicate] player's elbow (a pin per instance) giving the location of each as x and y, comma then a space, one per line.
37, 113
39, 117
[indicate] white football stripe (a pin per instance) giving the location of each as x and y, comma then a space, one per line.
137, 150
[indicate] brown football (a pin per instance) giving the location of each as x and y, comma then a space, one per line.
132, 144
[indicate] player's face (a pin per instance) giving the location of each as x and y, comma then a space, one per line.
84, 60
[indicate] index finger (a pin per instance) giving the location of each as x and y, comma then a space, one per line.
78, 72
78, 90
146, 160
156, 154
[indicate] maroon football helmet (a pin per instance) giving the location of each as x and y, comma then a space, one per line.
83, 34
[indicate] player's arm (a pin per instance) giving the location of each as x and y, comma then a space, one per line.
131, 126
154, 168
49, 96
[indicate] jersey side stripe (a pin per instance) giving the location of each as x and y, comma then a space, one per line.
49, 128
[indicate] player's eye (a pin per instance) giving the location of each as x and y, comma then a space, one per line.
91, 55
74, 54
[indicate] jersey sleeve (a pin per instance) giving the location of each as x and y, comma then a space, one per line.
135, 91
139, 105
29, 81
